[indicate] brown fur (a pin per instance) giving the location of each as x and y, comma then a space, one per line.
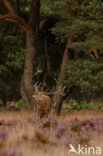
43, 103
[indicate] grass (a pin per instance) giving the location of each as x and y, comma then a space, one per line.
21, 141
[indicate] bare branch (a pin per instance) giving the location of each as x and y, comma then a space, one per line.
15, 18
5, 16
10, 8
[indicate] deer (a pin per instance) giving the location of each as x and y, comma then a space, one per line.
42, 101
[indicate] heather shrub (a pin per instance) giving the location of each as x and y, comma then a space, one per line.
47, 133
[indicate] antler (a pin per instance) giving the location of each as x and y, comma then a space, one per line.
36, 88
60, 90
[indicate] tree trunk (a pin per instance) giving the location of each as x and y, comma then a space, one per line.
58, 97
27, 78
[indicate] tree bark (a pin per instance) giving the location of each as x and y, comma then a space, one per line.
58, 97
27, 78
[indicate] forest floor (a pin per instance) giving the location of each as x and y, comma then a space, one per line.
22, 133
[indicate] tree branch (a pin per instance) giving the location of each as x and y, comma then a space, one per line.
10, 8
12, 17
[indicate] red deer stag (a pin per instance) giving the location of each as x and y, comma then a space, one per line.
42, 101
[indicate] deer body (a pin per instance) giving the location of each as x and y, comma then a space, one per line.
43, 103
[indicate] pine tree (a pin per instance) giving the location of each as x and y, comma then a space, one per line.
82, 23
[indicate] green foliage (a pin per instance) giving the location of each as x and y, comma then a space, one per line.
79, 106
11, 64
16, 60
85, 105
85, 75
77, 20
72, 104
20, 104
46, 9
80, 23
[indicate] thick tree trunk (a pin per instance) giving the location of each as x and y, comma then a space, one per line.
58, 97
27, 78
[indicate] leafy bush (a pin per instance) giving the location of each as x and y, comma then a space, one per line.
85, 105
20, 104
82, 105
